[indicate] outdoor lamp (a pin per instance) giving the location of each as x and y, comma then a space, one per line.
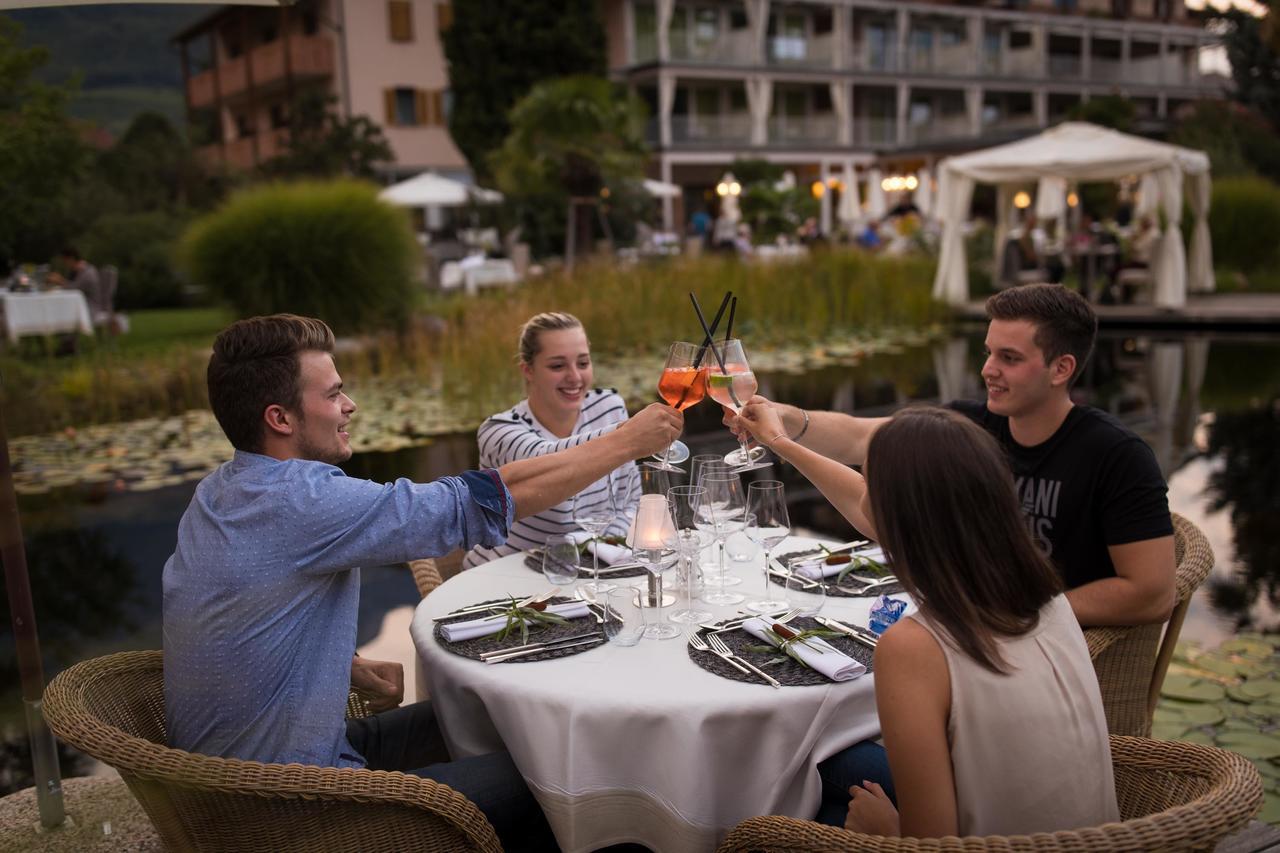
912, 182
1022, 201
1072, 199
819, 189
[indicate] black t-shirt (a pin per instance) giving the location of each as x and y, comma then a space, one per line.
1093, 483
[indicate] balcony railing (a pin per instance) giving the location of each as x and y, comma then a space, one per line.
875, 131
1106, 70
732, 128
309, 57
816, 52
1023, 63
732, 48
817, 129
864, 58
1147, 70
1010, 124
646, 48
940, 129
1065, 66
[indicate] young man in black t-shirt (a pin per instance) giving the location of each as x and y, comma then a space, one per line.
1091, 489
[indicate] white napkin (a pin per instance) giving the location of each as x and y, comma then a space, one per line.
455, 632
609, 554
822, 657
817, 568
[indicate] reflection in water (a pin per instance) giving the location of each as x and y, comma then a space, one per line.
1246, 483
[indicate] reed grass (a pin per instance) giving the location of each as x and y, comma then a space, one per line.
464, 347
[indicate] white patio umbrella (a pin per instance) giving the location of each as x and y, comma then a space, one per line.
431, 190
923, 193
660, 189
876, 207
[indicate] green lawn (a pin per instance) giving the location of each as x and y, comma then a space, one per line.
160, 329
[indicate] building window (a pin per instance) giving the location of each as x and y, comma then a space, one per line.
231, 42
1065, 5
407, 107
444, 17
279, 116
270, 32
310, 23
400, 18
244, 126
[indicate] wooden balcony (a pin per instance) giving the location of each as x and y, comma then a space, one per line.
310, 57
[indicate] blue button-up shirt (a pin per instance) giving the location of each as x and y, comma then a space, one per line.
261, 596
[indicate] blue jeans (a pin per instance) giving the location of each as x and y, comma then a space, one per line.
409, 739
865, 761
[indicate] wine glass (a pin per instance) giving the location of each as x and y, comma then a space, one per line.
682, 385
699, 466
594, 511
560, 560
767, 524
731, 383
685, 502
720, 515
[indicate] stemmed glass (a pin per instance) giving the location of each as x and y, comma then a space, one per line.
685, 503
731, 383
654, 541
682, 385
594, 511
767, 524
699, 467
721, 515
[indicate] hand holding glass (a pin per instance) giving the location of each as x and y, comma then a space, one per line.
731, 383
682, 385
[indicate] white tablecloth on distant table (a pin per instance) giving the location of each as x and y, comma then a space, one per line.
640, 744
45, 313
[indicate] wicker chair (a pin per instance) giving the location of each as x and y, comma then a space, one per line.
426, 575
113, 709
1131, 662
1172, 796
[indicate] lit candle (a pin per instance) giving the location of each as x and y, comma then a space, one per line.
652, 529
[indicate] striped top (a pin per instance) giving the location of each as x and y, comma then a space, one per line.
517, 434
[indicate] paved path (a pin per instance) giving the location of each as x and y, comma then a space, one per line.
1239, 311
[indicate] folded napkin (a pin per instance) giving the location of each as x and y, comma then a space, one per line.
817, 568
609, 554
819, 655
456, 632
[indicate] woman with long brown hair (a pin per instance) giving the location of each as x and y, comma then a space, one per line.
989, 707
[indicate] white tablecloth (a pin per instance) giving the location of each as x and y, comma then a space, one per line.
640, 744
45, 313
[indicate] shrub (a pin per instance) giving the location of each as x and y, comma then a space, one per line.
141, 247
1244, 216
325, 249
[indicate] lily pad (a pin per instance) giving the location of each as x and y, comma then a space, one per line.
1251, 745
1192, 689
1197, 736
1267, 769
1270, 812
1168, 730
1217, 665
1246, 647
1193, 713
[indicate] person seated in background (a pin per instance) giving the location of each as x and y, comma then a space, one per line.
1091, 490
262, 591
84, 278
990, 710
561, 409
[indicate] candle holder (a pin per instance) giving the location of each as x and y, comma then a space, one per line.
652, 539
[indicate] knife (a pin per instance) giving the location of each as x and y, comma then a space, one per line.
549, 647
855, 633
500, 652
499, 605
803, 581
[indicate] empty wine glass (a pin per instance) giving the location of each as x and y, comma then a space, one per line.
767, 524
594, 511
560, 560
682, 384
731, 383
686, 501
720, 515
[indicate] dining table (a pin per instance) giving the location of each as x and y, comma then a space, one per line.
640, 744
47, 313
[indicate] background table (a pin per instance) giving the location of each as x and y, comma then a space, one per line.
45, 313
640, 744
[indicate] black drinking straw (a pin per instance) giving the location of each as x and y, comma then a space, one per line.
728, 329
706, 342
720, 361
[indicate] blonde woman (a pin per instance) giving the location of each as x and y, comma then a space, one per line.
561, 410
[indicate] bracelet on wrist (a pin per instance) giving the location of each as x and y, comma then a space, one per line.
804, 428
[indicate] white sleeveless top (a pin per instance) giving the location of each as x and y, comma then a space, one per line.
1029, 749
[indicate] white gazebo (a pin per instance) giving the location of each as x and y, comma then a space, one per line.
431, 190
1074, 152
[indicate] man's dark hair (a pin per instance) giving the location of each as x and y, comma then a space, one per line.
255, 364
1065, 322
69, 252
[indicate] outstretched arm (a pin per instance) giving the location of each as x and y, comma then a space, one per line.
542, 482
844, 487
834, 435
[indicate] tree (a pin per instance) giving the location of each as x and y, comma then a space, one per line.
570, 139
325, 144
498, 49
41, 154
1255, 67
1110, 111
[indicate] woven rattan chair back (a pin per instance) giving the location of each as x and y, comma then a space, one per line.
1172, 796
1131, 662
426, 575
112, 708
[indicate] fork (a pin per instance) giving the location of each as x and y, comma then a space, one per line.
696, 640
719, 647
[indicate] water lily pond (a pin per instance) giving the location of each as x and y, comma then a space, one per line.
100, 505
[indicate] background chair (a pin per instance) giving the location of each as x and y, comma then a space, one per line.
112, 708
1131, 662
1172, 796
426, 576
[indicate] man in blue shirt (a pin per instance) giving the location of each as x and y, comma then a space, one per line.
262, 592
